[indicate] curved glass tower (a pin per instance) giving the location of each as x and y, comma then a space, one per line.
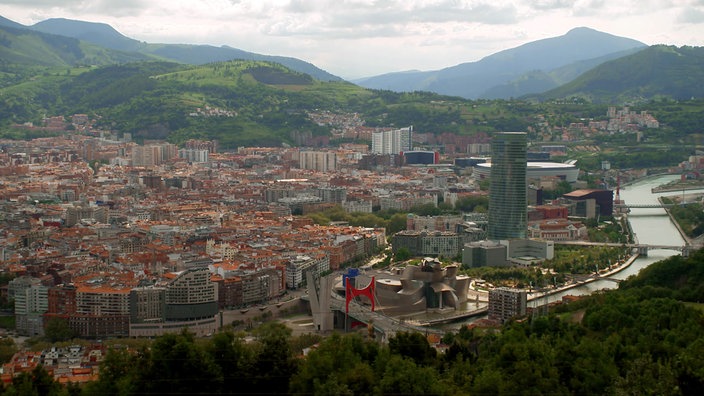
507, 194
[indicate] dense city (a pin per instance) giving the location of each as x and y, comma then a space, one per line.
199, 219
106, 238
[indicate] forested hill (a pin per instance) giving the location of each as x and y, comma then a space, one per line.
638, 340
21, 48
109, 43
658, 71
252, 102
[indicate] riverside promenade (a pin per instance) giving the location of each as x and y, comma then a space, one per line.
601, 275
695, 243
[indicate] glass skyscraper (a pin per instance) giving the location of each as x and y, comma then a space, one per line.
507, 192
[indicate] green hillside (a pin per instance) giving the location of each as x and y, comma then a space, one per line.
256, 102
264, 103
252, 102
27, 47
658, 71
106, 36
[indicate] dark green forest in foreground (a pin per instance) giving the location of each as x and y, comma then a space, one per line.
646, 338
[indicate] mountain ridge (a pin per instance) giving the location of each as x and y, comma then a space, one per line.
471, 79
93, 32
106, 36
516, 72
659, 70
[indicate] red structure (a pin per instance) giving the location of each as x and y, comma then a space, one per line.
351, 292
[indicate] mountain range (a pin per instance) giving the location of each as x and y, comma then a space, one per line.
568, 65
120, 46
530, 68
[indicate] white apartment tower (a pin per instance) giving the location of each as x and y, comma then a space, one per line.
321, 161
392, 142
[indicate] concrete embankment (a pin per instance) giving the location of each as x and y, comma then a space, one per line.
674, 221
602, 274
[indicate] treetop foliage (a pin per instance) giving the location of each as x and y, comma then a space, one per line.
643, 338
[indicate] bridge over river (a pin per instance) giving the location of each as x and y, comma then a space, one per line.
642, 248
643, 206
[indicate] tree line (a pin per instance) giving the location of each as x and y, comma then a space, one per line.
644, 338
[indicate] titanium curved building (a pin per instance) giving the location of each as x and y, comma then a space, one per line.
507, 194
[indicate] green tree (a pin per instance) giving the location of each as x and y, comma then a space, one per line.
274, 363
37, 382
339, 360
396, 223
470, 203
7, 349
402, 254
176, 364
235, 360
117, 374
647, 377
402, 376
57, 329
413, 345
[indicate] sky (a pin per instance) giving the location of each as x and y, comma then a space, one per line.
361, 38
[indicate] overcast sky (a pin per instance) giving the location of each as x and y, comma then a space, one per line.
358, 38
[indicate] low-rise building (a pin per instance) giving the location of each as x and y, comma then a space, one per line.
558, 230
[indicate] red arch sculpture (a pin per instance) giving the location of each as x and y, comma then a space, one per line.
351, 292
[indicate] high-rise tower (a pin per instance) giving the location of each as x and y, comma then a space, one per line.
393, 141
507, 194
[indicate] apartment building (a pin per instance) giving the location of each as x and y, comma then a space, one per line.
298, 266
189, 300
405, 201
433, 223
506, 303
194, 155
31, 302
321, 161
77, 213
153, 154
147, 305
102, 310
393, 141
357, 206
425, 243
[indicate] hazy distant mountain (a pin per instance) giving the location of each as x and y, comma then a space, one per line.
105, 36
97, 33
475, 79
538, 81
8, 23
659, 70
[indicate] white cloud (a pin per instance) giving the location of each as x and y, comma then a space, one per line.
691, 15
365, 37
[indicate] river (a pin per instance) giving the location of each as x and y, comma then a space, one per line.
651, 226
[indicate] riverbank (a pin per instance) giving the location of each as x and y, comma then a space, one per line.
674, 221
643, 179
605, 273
679, 185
